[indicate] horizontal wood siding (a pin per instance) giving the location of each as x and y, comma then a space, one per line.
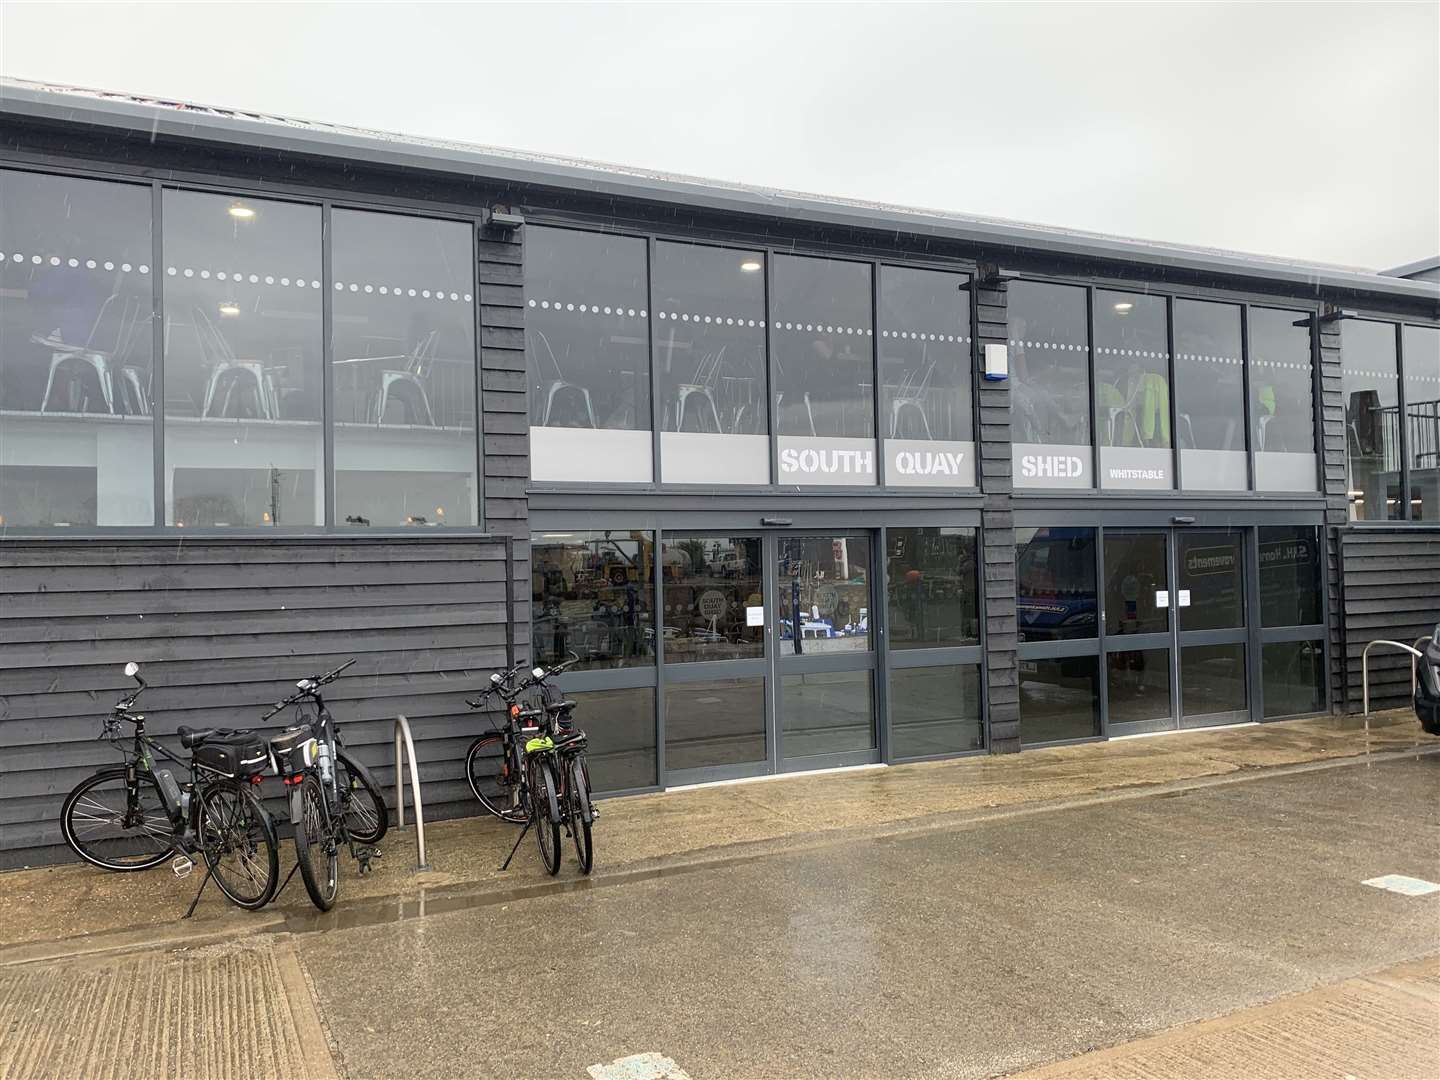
1391, 591
225, 627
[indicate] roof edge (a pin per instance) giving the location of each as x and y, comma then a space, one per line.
109, 113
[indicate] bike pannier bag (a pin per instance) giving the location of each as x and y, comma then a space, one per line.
293, 750
235, 754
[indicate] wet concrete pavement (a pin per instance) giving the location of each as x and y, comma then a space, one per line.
965, 950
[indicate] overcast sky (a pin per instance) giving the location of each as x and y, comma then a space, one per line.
1290, 129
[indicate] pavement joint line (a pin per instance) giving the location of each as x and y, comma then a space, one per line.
460, 896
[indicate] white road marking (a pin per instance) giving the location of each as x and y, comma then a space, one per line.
1405, 886
651, 1066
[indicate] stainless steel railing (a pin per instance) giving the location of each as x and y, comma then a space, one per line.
1365, 668
402, 729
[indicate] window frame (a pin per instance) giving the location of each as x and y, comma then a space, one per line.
326, 201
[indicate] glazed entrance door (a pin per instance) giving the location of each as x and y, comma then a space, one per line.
824, 655
1210, 584
1139, 628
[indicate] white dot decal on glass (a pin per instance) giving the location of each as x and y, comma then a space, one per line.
189, 272
36, 259
221, 276
707, 318
314, 284
54, 260
271, 281
286, 281
72, 263
339, 285
582, 306
568, 307
203, 273
170, 270
642, 313
467, 298
369, 288
454, 296
254, 278
354, 287
17, 257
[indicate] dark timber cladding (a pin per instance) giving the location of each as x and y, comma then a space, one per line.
1002, 680
1392, 591
223, 628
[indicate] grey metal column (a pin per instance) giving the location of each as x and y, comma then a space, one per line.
1002, 682
1337, 501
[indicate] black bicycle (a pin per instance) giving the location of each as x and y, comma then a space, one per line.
136, 816
571, 766
335, 802
494, 763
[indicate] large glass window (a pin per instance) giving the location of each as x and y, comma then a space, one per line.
1422, 411
1370, 370
587, 345
1210, 579
243, 361
1137, 593
714, 601
76, 344
1132, 391
1055, 583
710, 358
593, 595
403, 355
621, 725
1290, 581
714, 723
1293, 677
1282, 401
1210, 396
826, 712
931, 578
935, 710
823, 370
1050, 385
824, 584
1212, 683
925, 378
1059, 699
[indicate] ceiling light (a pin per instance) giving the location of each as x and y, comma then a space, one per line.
230, 308
1123, 307
750, 265
241, 211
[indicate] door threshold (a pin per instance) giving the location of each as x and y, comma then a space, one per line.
1181, 730
777, 776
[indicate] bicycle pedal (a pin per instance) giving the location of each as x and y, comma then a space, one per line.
181, 866
363, 857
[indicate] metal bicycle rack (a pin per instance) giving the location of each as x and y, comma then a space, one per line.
402, 728
1415, 655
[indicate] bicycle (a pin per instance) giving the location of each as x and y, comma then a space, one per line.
572, 766
494, 765
136, 816
334, 800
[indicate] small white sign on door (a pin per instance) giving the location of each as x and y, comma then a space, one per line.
1183, 597
1162, 598
754, 616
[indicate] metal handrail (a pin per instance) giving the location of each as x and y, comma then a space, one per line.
402, 727
1365, 669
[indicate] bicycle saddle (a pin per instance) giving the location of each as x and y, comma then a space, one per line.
559, 706
193, 737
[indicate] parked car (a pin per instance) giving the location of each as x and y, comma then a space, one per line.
1427, 685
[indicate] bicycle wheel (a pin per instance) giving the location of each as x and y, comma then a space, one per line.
581, 816
547, 815
316, 849
237, 838
488, 774
104, 828
366, 818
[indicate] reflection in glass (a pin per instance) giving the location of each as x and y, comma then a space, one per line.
711, 584
1210, 395
403, 370
1132, 381
76, 337
1422, 419
823, 340
1293, 677
931, 577
1282, 400
935, 710
1049, 364
714, 723
621, 728
1138, 684
1059, 699
1055, 583
243, 360
587, 347
925, 355
826, 713
1212, 682
824, 584
1290, 576
592, 595
1135, 575
1370, 370
1211, 569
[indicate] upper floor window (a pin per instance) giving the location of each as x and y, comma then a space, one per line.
403, 374
1282, 401
822, 370
77, 340
1132, 391
1421, 346
925, 377
1370, 384
710, 362
1050, 385
1210, 396
587, 347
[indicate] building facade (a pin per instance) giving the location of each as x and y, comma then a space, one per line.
800, 483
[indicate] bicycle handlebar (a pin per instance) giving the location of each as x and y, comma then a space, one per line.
306, 691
